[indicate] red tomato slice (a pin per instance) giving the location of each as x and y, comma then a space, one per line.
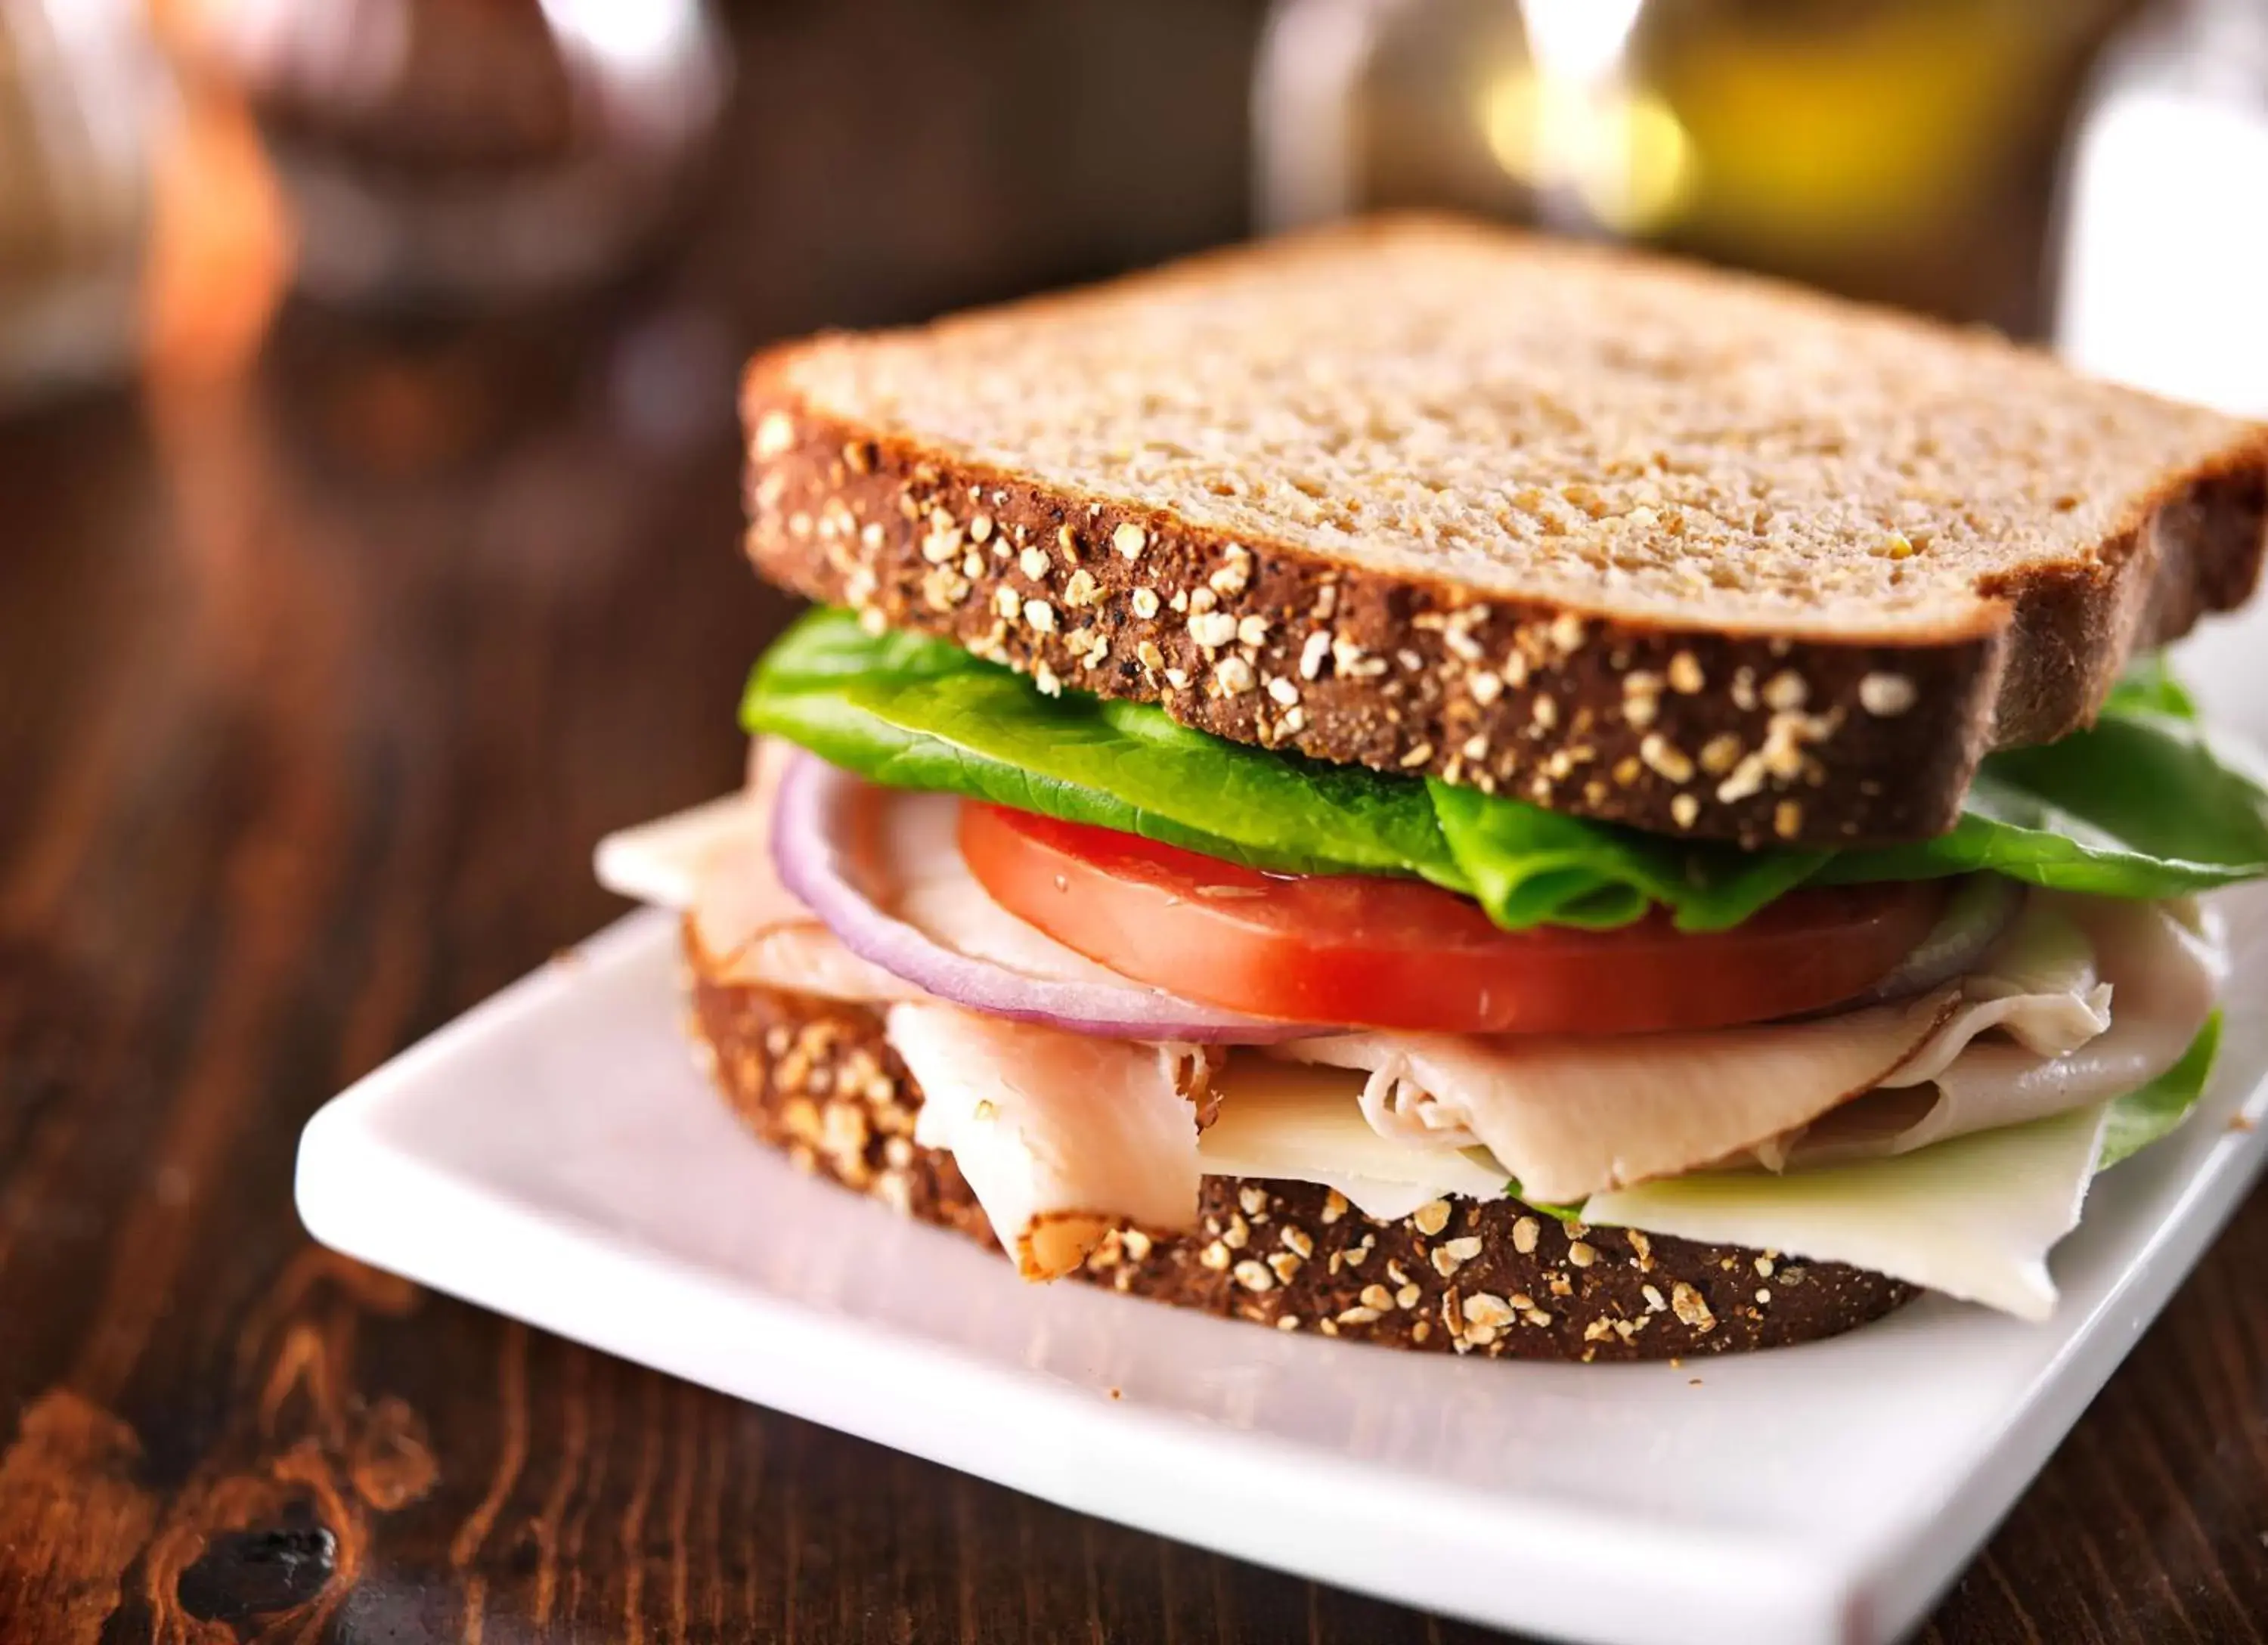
1401, 954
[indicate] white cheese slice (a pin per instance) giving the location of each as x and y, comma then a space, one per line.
1974, 1217
1381, 1201
1278, 1119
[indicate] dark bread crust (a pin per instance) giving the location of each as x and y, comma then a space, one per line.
816, 1078
1752, 737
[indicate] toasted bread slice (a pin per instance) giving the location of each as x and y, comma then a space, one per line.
817, 1079
1632, 539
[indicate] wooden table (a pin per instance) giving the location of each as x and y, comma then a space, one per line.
323, 664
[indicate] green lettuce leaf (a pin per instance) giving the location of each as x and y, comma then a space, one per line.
924, 714
2140, 1118
2139, 805
1529, 866
2149, 687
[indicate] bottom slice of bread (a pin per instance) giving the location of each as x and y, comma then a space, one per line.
817, 1079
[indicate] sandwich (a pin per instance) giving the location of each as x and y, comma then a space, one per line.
1461, 791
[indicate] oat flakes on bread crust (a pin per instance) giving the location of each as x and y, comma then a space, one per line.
1693, 551
815, 1077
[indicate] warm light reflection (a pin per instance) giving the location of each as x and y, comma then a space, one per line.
1578, 41
1569, 124
220, 250
1623, 153
634, 36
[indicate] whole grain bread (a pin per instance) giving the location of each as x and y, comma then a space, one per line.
816, 1078
1635, 540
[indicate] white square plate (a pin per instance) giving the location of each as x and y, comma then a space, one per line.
554, 1155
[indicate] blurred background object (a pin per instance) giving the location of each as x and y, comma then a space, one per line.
1902, 150
429, 229
659, 185
781, 165
453, 153
2165, 223
2165, 234
81, 100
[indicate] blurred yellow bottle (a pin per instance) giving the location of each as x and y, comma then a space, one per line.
1902, 149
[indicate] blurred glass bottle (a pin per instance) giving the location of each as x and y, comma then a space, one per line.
454, 153
81, 96
2165, 234
1897, 150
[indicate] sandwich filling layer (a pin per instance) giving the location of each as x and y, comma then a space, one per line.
1841, 1137
1118, 955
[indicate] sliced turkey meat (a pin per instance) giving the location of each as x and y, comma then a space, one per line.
2033, 1032
1063, 1137
1568, 1117
713, 864
2160, 968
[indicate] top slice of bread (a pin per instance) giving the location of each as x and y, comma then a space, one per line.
1632, 539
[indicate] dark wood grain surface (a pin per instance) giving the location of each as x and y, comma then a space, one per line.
322, 667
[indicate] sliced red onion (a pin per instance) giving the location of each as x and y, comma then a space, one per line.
816, 846
1982, 908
